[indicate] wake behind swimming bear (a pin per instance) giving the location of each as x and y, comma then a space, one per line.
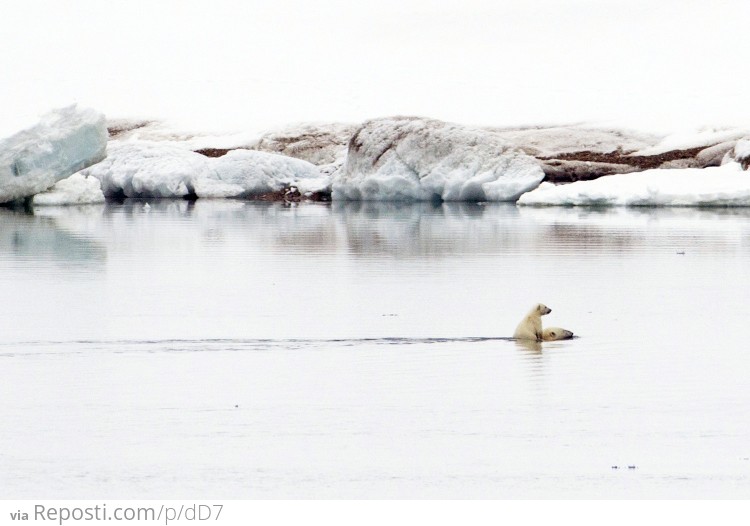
530, 327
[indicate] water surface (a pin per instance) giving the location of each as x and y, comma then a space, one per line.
223, 349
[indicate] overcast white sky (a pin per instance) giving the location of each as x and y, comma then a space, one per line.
255, 65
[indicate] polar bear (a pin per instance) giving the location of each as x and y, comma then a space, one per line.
530, 327
551, 334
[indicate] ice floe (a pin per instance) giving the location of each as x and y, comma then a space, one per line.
726, 185
61, 143
416, 159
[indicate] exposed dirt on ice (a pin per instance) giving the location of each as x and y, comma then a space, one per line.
588, 165
116, 128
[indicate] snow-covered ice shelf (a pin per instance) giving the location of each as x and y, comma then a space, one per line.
727, 185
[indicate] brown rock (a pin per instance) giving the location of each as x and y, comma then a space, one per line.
713, 155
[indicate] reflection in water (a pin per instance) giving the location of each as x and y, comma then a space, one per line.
394, 230
629, 229
423, 229
27, 237
134, 207
531, 346
415, 230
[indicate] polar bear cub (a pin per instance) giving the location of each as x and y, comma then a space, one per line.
530, 327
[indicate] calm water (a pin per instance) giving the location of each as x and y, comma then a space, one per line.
238, 350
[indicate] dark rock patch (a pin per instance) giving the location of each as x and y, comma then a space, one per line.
216, 152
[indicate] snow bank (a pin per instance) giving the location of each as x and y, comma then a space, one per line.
726, 185
139, 130
75, 190
141, 169
63, 142
244, 173
148, 170
416, 159
684, 140
566, 153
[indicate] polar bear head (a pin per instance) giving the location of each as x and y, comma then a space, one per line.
551, 334
543, 309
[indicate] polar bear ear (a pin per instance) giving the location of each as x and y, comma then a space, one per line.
552, 333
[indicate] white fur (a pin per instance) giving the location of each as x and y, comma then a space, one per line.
551, 334
530, 327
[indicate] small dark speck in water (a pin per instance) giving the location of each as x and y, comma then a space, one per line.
682, 253
615, 467
631, 467
389, 314
236, 405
